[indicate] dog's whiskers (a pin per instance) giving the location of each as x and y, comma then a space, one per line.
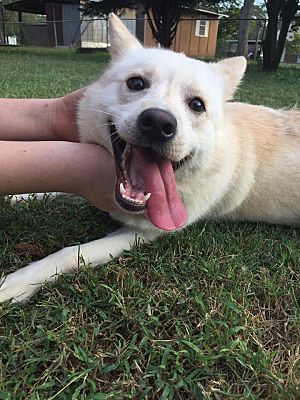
100, 111
107, 124
115, 140
107, 137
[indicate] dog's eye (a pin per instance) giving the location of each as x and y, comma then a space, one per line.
197, 105
136, 83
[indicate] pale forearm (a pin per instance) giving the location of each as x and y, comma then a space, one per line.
26, 119
40, 119
83, 169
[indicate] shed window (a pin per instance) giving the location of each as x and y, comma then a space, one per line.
202, 27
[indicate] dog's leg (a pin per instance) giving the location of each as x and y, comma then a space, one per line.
23, 283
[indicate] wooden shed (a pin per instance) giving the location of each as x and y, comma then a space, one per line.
196, 34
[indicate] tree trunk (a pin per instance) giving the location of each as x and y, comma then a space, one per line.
269, 43
287, 15
242, 45
2, 26
273, 47
140, 23
163, 20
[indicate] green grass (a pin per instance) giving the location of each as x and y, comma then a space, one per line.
277, 91
209, 313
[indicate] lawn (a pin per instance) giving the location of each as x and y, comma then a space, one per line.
209, 313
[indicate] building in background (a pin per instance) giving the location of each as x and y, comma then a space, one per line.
61, 27
64, 25
196, 34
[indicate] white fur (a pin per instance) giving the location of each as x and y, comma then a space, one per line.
246, 159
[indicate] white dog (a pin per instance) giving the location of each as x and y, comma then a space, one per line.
182, 152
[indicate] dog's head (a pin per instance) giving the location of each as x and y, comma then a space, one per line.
156, 111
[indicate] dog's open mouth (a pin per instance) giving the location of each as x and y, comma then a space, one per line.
146, 181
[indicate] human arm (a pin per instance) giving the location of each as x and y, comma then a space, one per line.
83, 169
40, 119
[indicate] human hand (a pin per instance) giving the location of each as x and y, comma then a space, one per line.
63, 117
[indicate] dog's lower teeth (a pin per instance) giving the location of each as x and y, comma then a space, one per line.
135, 201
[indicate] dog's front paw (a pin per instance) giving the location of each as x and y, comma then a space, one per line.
17, 287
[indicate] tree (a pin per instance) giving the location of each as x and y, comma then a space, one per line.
273, 44
242, 44
228, 27
163, 16
293, 46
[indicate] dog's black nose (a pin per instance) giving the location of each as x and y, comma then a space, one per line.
157, 125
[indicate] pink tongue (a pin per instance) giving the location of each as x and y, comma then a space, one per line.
165, 208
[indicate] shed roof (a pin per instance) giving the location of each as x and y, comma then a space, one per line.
34, 6
205, 11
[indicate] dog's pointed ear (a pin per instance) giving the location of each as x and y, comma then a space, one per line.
121, 40
231, 71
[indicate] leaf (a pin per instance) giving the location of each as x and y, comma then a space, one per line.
109, 368
236, 329
165, 357
230, 304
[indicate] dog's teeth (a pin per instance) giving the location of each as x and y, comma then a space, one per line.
147, 196
122, 189
132, 200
